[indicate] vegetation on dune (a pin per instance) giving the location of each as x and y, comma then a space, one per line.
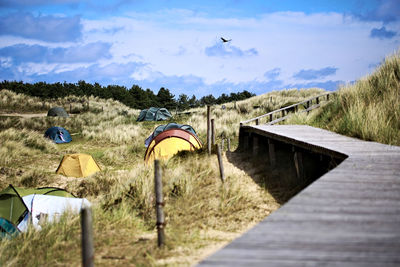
369, 109
135, 97
202, 213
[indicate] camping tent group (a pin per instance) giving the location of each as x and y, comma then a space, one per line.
20, 207
167, 140
59, 135
57, 112
154, 114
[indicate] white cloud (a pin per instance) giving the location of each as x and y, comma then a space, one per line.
170, 46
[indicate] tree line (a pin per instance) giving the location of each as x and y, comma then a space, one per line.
135, 97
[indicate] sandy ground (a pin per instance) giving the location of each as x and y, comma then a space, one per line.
25, 115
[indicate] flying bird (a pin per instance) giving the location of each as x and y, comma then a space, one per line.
225, 40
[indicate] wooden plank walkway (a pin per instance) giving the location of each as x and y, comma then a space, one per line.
348, 217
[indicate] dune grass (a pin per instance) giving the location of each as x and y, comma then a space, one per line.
368, 109
202, 213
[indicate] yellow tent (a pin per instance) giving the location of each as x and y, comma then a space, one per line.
170, 142
77, 165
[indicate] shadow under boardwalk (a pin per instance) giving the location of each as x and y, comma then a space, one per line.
350, 216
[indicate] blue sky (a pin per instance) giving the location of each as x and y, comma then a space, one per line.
176, 44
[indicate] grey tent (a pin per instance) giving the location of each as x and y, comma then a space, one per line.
57, 111
154, 114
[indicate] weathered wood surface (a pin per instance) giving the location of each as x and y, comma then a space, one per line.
348, 217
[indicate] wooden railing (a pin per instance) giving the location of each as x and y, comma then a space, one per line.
285, 111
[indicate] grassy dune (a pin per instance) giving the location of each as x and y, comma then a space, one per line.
202, 214
368, 109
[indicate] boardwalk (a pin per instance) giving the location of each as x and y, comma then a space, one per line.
348, 217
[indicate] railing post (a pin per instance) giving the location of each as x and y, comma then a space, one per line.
257, 122
283, 113
327, 97
159, 203
87, 237
317, 99
270, 117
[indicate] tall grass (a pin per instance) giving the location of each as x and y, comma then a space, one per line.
201, 212
368, 109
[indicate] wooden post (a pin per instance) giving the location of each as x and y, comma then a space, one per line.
317, 99
229, 145
270, 99
246, 142
255, 145
234, 103
159, 203
222, 144
270, 117
70, 108
257, 122
221, 166
87, 237
212, 133
271, 150
327, 97
209, 129
283, 113
298, 163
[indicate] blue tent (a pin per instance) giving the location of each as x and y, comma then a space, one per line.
58, 135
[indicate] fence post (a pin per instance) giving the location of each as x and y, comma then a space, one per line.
221, 166
229, 145
212, 133
159, 203
327, 97
70, 108
257, 122
317, 100
270, 117
87, 237
209, 129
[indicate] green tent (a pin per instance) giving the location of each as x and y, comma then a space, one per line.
57, 112
154, 114
12, 207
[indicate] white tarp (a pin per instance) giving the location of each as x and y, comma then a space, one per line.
46, 208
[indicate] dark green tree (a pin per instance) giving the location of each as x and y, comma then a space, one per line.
183, 102
166, 99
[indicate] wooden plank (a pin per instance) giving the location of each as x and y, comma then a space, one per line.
348, 217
